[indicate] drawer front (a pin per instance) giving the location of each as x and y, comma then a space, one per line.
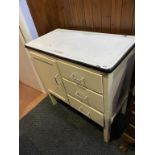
86, 96
86, 110
81, 76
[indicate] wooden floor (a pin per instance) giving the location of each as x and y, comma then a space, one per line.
28, 99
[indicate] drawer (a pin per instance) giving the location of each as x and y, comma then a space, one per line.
86, 96
81, 75
86, 110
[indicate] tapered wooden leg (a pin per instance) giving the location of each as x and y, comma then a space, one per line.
53, 99
107, 130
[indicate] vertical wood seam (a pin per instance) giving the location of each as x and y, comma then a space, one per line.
121, 16
133, 14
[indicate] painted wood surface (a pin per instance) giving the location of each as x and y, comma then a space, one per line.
112, 16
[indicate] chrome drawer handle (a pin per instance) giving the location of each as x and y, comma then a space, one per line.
87, 114
80, 81
81, 96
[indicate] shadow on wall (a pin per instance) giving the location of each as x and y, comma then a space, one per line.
28, 19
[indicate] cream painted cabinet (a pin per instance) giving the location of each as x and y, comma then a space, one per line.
89, 71
49, 74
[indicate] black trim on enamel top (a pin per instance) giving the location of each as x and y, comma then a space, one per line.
109, 70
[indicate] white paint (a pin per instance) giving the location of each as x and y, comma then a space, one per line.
96, 49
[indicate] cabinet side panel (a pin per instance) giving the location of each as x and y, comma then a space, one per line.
121, 82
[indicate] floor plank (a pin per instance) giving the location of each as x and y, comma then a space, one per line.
28, 99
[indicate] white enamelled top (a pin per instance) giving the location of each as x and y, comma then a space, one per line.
99, 50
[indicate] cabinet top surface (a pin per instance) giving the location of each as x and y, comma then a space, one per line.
100, 50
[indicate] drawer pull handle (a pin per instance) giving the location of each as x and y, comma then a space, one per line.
81, 96
77, 80
87, 114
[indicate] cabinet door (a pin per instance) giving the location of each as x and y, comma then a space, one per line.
48, 72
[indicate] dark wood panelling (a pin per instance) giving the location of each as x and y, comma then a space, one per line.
96, 13
88, 15
77, 14
133, 24
106, 8
39, 16
51, 17
127, 16
116, 16
62, 12
111, 16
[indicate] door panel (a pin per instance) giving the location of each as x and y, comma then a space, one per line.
48, 72
86, 110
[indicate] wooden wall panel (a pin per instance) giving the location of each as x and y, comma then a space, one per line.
51, 16
133, 24
39, 16
127, 16
110, 16
116, 16
64, 13
96, 14
77, 14
106, 9
88, 15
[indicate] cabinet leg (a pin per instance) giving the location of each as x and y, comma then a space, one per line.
53, 99
107, 130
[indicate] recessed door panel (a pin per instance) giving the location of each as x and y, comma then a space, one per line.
48, 72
